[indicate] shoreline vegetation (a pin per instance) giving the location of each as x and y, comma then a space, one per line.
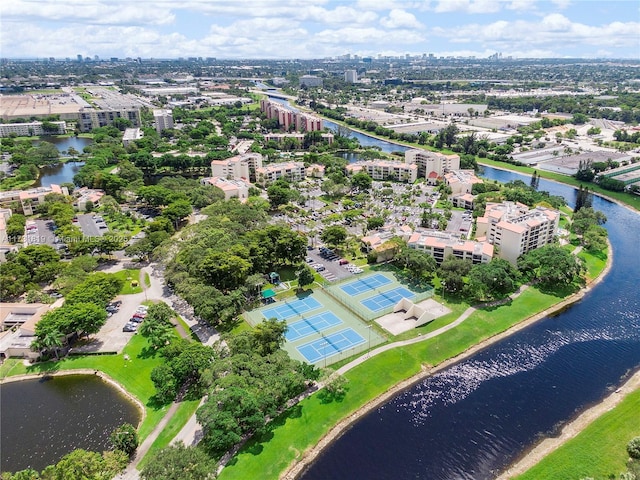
297, 438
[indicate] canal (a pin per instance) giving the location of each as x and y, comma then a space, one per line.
473, 419
43, 419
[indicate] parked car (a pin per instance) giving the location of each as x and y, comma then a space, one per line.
139, 315
343, 261
135, 319
130, 327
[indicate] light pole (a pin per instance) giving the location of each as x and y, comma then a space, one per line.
324, 350
369, 352
443, 285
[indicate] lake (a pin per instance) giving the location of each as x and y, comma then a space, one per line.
43, 419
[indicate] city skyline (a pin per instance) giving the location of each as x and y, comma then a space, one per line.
268, 29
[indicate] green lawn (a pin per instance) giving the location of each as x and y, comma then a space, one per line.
128, 276
302, 427
598, 452
133, 374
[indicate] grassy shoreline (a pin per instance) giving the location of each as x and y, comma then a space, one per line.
303, 431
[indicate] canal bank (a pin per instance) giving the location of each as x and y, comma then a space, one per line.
308, 457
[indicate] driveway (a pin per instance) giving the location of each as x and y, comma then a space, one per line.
332, 267
89, 226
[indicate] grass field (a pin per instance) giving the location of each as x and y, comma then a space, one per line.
134, 374
128, 276
598, 452
301, 427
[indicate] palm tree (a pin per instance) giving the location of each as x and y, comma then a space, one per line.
52, 339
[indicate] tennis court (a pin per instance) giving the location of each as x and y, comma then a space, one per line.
362, 285
309, 326
330, 345
386, 299
294, 308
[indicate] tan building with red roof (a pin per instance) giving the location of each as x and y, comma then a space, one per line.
516, 229
461, 181
432, 165
441, 245
232, 188
28, 200
385, 169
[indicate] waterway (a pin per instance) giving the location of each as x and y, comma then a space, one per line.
365, 140
41, 420
475, 418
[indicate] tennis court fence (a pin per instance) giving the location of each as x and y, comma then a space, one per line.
363, 312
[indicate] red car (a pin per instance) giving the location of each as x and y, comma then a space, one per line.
139, 315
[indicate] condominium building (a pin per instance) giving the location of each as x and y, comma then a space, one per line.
351, 76
26, 201
462, 200
240, 166
87, 196
515, 229
461, 181
441, 245
90, 119
310, 81
5, 214
292, 171
162, 119
232, 188
432, 165
279, 137
385, 170
31, 128
290, 120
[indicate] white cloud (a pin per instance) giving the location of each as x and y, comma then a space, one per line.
400, 19
468, 6
554, 33
561, 4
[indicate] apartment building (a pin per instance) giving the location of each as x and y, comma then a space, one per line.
5, 214
441, 245
232, 188
26, 201
432, 165
292, 171
461, 181
462, 200
385, 170
240, 166
279, 137
31, 128
90, 119
162, 119
87, 196
290, 120
515, 229
351, 76
310, 81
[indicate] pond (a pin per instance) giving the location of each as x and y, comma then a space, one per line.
43, 419
61, 172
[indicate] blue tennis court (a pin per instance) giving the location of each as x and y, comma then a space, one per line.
330, 345
386, 299
291, 309
309, 326
365, 284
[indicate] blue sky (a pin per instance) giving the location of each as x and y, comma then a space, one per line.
319, 28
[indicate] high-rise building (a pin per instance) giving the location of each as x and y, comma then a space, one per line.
163, 120
432, 165
351, 76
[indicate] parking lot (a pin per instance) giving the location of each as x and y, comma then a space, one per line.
41, 232
333, 270
91, 225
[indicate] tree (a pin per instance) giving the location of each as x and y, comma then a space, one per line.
269, 336
177, 211
334, 235
305, 277
125, 439
550, 265
81, 464
492, 280
633, 448
374, 223
178, 462
362, 181
165, 383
